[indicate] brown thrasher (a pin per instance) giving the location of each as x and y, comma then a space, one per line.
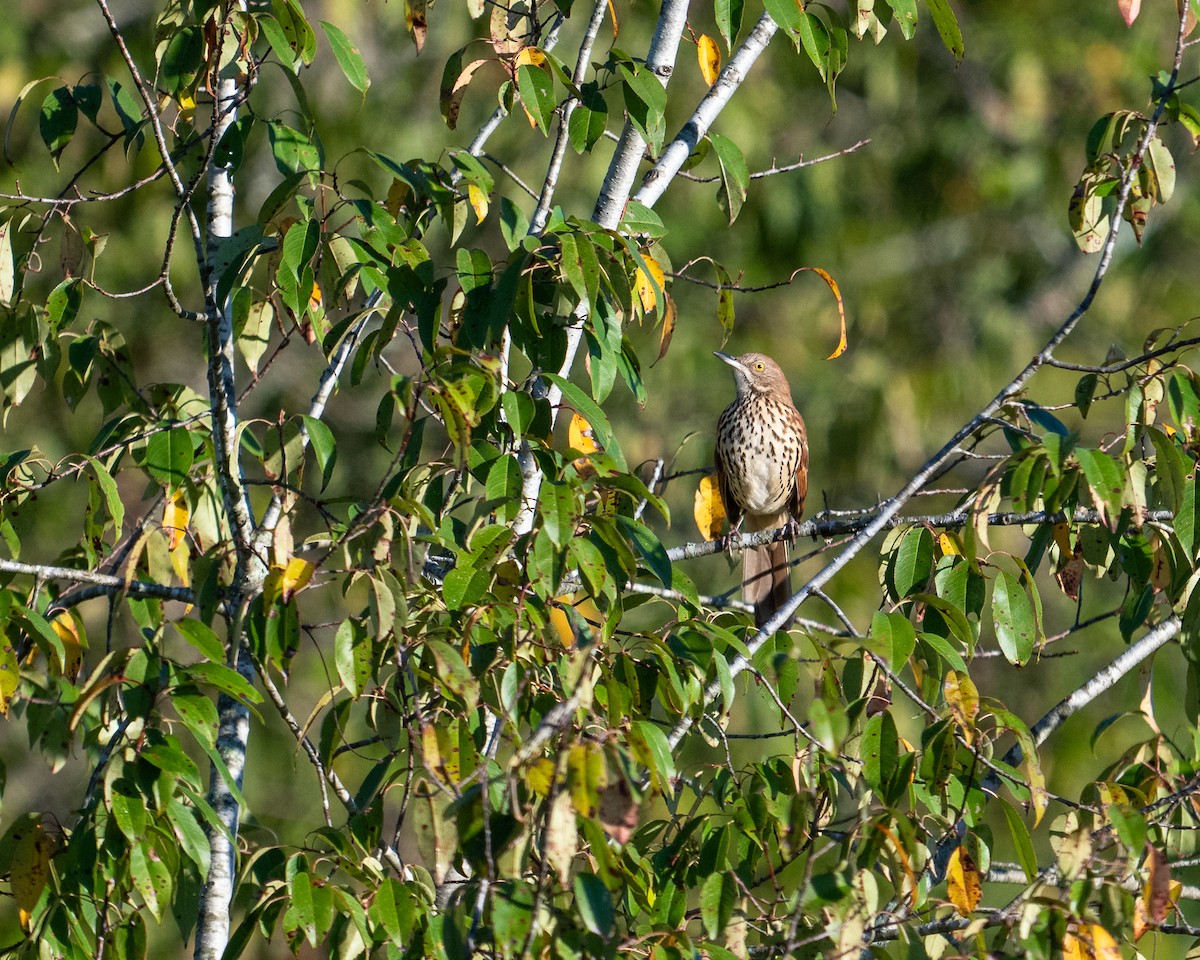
762, 473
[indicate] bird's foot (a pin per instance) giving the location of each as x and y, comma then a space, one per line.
791, 530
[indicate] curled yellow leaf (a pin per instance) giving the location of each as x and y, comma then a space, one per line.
580, 436
176, 514
708, 509
67, 629
479, 202
649, 284
295, 577
709, 56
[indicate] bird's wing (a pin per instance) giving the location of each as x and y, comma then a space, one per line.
801, 489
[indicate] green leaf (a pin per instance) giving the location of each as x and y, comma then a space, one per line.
151, 878
645, 104
640, 220
588, 120
729, 15
191, 836
169, 456
947, 27
182, 60
897, 636
464, 586
594, 903
198, 713
62, 306
735, 175
717, 897
514, 225
454, 673
1085, 390
880, 750
324, 447
651, 744
1105, 480
536, 88
301, 911
223, 679
1012, 617
58, 120
112, 496
352, 656
912, 563
1026, 856
294, 152
503, 487
128, 809
905, 12
556, 505
201, 636
649, 548
1170, 481
347, 56
944, 651
169, 757
590, 560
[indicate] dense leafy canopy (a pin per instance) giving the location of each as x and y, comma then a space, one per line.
346, 604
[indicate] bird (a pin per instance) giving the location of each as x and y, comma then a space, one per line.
762, 473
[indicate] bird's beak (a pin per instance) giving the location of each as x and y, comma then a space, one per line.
732, 361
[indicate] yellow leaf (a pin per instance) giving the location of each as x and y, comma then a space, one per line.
181, 559
176, 514
949, 544
539, 777
431, 756
529, 56
1090, 942
68, 632
1037, 789
669, 316
479, 202
709, 510
824, 275
650, 284
962, 882
314, 298
560, 623
187, 107
710, 58
580, 437
295, 577
30, 868
962, 698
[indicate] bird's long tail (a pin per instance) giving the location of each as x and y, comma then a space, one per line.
766, 575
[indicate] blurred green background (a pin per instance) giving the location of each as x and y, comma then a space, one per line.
947, 234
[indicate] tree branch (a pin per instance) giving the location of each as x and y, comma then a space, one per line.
890, 508
730, 78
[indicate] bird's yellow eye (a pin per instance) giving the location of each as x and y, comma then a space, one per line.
759, 365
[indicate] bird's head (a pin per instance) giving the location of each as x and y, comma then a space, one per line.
755, 373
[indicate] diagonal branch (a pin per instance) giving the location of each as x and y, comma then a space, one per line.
730, 78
